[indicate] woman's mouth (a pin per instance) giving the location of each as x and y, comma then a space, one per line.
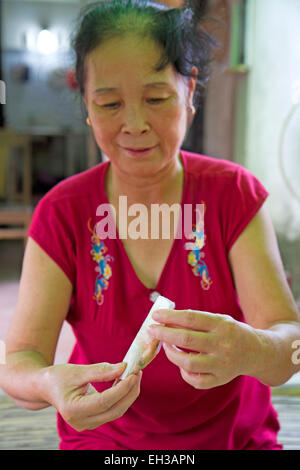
138, 151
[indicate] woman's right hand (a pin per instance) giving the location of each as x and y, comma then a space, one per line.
67, 388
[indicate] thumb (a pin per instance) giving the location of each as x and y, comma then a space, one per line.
102, 372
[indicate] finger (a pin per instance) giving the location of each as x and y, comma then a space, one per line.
194, 363
90, 389
119, 408
199, 381
193, 340
102, 372
191, 319
149, 353
95, 403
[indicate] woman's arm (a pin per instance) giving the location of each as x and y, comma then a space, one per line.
266, 299
24, 367
29, 376
42, 305
262, 347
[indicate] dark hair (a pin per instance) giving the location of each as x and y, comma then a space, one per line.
177, 31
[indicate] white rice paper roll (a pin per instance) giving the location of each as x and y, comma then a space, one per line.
144, 348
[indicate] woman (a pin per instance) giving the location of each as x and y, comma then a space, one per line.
139, 66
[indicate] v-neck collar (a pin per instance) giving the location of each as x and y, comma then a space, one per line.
175, 241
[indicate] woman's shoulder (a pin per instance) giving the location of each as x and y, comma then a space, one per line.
226, 178
207, 166
224, 182
78, 186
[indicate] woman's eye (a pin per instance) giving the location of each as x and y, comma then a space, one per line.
156, 100
150, 100
110, 105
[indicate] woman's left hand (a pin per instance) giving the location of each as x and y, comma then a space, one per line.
223, 348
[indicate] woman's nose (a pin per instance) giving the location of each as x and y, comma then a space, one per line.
134, 122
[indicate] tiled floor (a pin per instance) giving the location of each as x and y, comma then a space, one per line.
288, 409
36, 430
21, 429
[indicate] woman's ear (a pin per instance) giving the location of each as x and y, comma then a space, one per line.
88, 121
192, 85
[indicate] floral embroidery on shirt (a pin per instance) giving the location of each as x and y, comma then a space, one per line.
195, 256
103, 269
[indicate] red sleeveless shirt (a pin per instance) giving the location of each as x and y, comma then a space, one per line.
109, 304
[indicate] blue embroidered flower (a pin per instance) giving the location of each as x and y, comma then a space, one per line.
99, 255
195, 256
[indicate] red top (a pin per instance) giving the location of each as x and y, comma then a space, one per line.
109, 304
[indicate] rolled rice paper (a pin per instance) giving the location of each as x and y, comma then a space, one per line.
144, 348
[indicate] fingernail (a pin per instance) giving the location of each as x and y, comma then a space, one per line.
139, 375
119, 365
166, 345
156, 314
151, 328
176, 348
133, 380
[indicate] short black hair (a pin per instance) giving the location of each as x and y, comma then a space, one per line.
177, 31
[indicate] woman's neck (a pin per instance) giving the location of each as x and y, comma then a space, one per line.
164, 186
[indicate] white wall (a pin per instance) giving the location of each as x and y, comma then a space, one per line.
27, 17
36, 102
273, 54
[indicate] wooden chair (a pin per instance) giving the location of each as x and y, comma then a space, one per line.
16, 220
15, 206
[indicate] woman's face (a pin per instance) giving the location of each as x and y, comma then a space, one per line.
131, 107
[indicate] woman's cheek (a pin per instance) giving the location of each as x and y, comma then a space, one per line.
173, 122
102, 124
167, 116
102, 132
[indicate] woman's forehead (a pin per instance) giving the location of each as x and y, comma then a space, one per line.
127, 56
131, 42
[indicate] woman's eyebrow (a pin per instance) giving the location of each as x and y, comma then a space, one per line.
156, 85
100, 91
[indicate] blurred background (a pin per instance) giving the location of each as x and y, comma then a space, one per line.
249, 113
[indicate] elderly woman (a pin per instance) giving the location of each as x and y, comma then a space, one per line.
229, 339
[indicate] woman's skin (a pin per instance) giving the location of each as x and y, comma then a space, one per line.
138, 115
262, 347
